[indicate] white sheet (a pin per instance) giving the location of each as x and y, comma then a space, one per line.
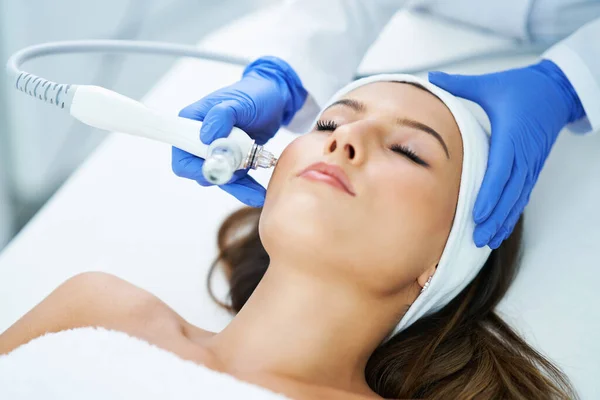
124, 212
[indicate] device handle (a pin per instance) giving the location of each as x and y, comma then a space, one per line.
105, 109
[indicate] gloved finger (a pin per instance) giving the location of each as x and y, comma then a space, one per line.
189, 166
522, 210
247, 190
497, 174
507, 228
485, 231
186, 165
465, 86
219, 121
198, 109
514, 215
498, 239
201, 179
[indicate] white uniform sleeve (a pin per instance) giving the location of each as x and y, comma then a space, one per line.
324, 41
578, 56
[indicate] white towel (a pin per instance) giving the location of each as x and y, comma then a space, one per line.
95, 363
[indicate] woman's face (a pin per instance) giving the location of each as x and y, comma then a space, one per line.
391, 224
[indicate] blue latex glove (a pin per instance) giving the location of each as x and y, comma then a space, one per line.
267, 96
527, 108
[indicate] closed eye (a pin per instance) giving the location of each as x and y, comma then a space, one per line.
398, 148
326, 125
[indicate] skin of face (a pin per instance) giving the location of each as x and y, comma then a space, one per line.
390, 235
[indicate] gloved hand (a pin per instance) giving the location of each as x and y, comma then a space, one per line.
267, 96
527, 108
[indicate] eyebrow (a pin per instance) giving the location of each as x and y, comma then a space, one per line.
361, 107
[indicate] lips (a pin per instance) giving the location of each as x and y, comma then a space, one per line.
330, 174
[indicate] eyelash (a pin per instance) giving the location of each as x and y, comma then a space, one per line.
329, 125
398, 148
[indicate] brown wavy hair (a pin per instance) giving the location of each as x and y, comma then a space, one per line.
463, 351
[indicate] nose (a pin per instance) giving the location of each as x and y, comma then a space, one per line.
349, 142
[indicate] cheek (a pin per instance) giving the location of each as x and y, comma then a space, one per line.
412, 213
289, 161
278, 213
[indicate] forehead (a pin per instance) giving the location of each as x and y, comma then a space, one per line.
402, 100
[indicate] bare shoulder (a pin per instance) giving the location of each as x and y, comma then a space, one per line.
96, 299
114, 303
95, 285
120, 305
110, 291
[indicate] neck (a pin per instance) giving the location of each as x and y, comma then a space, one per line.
314, 329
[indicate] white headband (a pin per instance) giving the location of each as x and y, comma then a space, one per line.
461, 260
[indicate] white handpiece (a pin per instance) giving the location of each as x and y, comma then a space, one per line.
104, 109
111, 111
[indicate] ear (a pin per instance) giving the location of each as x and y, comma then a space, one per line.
422, 279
